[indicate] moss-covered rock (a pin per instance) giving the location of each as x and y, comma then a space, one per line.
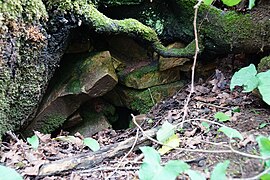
264, 64
87, 76
148, 76
142, 100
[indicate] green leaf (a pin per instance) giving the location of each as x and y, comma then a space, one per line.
245, 77
208, 2
219, 171
151, 163
206, 126
9, 173
230, 132
264, 146
262, 125
171, 143
264, 85
265, 177
194, 175
236, 109
231, 2
91, 143
166, 131
171, 170
33, 141
222, 117
251, 4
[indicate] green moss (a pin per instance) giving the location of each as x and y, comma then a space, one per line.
52, 123
120, 2
74, 86
28, 9
264, 64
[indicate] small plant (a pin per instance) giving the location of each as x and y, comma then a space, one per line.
91, 143
33, 141
151, 169
250, 80
251, 3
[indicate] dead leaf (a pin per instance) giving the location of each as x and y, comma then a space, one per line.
191, 142
43, 137
205, 99
190, 133
248, 139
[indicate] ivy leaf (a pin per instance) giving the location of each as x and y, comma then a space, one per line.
208, 2
264, 146
251, 4
219, 171
231, 2
166, 131
151, 163
171, 170
264, 85
91, 143
194, 175
230, 132
33, 141
245, 77
222, 117
9, 173
173, 142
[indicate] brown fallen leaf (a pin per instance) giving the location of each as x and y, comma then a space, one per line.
191, 142
190, 133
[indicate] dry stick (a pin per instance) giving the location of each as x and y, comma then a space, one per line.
185, 108
131, 149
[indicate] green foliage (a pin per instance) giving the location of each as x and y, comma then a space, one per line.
33, 141
230, 132
251, 4
245, 77
91, 143
8, 173
232, 2
249, 79
151, 168
166, 131
222, 117
264, 146
264, 85
219, 171
206, 126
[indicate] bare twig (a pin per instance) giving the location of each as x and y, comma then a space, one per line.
185, 108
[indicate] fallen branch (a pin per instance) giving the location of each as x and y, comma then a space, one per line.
90, 160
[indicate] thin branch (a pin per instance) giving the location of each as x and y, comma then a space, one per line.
197, 50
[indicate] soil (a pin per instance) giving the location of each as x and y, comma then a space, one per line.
248, 114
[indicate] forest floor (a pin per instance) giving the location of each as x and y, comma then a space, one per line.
202, 145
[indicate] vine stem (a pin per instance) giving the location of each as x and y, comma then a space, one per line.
197, 49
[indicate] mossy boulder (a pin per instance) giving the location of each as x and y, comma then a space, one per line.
148, 76
169, 63
88, 76
264, 64
142, 100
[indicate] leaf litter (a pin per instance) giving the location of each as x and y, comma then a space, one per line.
210, 97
